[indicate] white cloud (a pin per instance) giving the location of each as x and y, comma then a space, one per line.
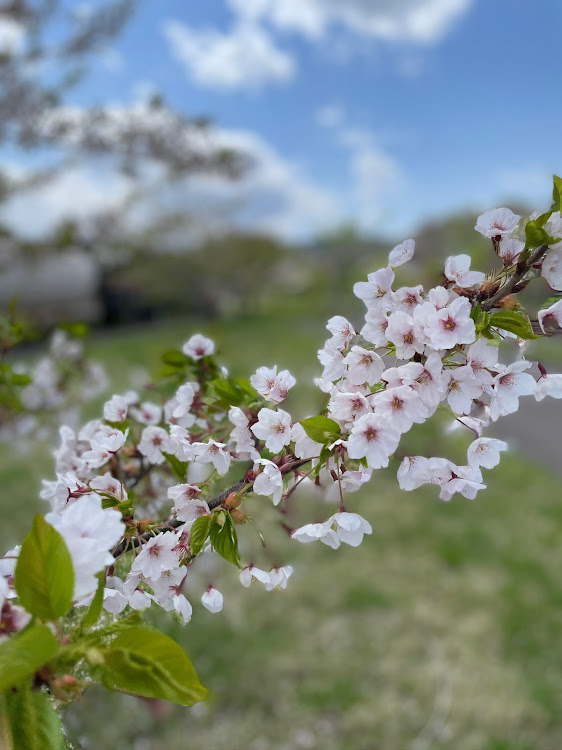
245, 58
330, 116
275, 197
422, 21
77, 194
12, 36
376, 177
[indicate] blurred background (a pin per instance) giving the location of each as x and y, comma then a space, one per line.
234, 166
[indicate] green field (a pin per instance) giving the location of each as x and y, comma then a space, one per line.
441, 631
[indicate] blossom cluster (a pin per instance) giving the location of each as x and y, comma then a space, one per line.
52, 389
144, 492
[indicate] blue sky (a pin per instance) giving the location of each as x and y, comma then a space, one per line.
379, 112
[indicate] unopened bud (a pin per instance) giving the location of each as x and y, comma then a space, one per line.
238, 516
232, 501
66, 688
489, 288
144, 524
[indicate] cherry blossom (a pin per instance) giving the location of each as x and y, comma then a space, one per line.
311, 532
552, 269
350, 527
274, 427
376, 292
272, 385
363, 366
212, 600
457, 269
154, 442
551, 318
373, 437
269, 482
485, 452
496, 222
508, 386
198, 347
402, 253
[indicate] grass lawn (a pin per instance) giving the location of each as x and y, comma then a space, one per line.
441, 630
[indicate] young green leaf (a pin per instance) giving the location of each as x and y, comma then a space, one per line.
557, 193
536, 235
321, 429
199, 532
224, 538
179, 467
30, 723
142, 661
94, 610
513, 322
21, 655
175, 358
44, 577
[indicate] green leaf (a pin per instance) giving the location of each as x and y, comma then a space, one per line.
142, 661
518, 324
224, 538
78, 330
44, 577
175, 358
21, 655
480, 317
227, 391
199, 532
29, 721
536, 235
321, 429
179, 467
557, 193
94, 610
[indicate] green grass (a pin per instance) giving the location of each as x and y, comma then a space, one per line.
443, 630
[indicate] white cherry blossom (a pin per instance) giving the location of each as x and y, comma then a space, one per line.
374, 330
373, 437
364, 366
248, 574
508, 386
485, 452
497, 221
198, 347
376, 291
154, 442
401, 406
551, 318
213, 452
269, 482
402, 253
341, 330
212, 600
457, 269
552, 268
279, 577
274, 427
312, 532
401, 333
350, 527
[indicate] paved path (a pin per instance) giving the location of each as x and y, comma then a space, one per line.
535, 430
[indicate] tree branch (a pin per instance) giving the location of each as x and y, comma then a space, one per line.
520, 271
129, 543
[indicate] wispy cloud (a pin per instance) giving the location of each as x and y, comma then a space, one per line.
422, 21
244, 58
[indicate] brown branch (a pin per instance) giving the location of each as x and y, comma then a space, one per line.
521, 270
129, 543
